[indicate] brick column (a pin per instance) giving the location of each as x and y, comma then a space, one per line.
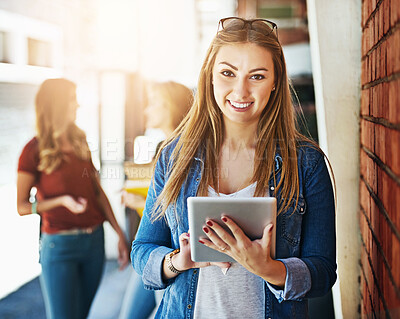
380, 160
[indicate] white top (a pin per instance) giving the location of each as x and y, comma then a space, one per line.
236, 294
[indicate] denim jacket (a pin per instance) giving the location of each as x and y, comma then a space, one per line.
305, 240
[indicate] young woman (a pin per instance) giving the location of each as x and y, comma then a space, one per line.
70, 201
240, 139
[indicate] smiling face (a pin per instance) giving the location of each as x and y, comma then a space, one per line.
243, 79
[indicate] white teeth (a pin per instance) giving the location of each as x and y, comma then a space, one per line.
240, 105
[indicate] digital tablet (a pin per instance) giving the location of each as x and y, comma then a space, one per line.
251, 214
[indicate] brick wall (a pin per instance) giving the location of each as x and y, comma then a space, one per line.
380, 159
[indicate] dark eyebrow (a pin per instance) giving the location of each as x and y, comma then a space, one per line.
258, 69
251, 71
228, 64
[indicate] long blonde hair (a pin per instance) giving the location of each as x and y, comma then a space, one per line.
202, 129
52, 105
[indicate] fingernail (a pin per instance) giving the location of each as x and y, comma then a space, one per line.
224, 219
201, 242
209, 223
188, 234
205, 229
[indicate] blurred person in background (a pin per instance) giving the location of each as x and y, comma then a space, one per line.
168, 103
70, 201
240, 140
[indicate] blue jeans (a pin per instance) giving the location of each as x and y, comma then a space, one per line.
72, 267
138, 302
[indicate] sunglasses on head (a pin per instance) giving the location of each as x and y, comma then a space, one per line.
236, 24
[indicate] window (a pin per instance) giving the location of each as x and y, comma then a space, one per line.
276, 11
2, 47
39, 53
288, 14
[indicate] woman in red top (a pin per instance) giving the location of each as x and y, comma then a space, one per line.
70, 201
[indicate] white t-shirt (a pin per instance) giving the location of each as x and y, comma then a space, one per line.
236, 294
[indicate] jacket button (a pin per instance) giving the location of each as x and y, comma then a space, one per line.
195, 271
272, 188
189, 306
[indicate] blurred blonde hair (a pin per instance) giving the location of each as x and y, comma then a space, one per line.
202, 129
177, 97
52, 106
